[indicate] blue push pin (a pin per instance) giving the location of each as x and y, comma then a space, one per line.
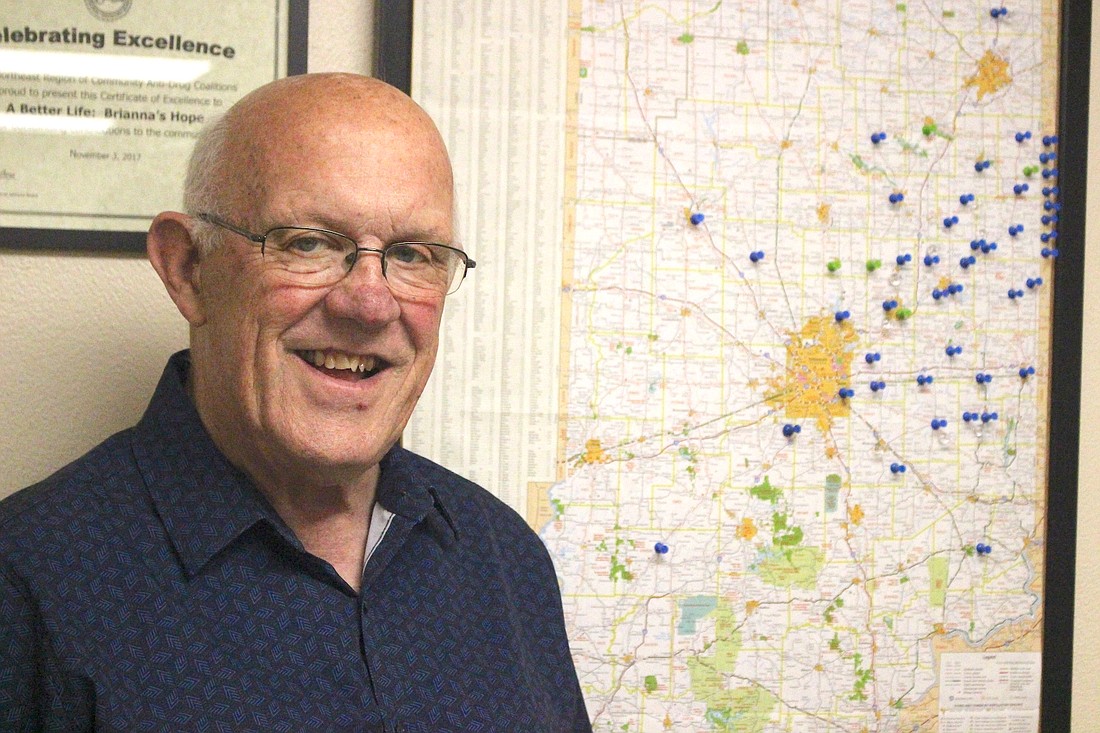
1015, 229
924, 380
1021, 136
953, 350
756, 256
966, 262
872, 357
1049, 252
938, 423
1019, 189
981, 165
1000, 13
1052, 206
1047, 236
988, 247
966, 198
897, 198
930, 260
1049, 140
846, 393
842, 316
903, 258
789, 430
1014, 294
969, 417
1026, 372
889, 305
976, 244
987, 416
937, 293
897, 468
660, 548
982, 549
950, 221
983, 378
1047, 157
878, 386
951, 290
697, 219
1048, 219
1034, 282
1050, 173
877, 137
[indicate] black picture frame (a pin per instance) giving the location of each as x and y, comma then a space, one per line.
393, 63
1065, 369
25, 239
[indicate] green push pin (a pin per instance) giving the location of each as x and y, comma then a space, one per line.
1030, 170
902, 313
873, 265
833, 265
929, 130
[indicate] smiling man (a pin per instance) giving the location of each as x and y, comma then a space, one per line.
257, 553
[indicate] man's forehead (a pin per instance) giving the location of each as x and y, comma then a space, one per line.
363, 139
302, 105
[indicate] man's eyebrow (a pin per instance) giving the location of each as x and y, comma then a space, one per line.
358, 229
418, 234
423, 237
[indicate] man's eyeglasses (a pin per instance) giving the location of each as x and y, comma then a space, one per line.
319, 258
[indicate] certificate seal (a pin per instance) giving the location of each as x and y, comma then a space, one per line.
108, 9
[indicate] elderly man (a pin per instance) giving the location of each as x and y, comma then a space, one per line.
256, 553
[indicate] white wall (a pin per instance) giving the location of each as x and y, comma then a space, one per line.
83, 340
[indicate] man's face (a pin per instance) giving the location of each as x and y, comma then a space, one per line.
377, 177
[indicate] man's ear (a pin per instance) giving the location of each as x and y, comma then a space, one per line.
174, 254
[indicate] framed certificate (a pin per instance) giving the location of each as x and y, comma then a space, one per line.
101, 102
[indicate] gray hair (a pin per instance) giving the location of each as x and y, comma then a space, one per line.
205, 184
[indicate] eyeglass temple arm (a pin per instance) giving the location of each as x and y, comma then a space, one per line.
217, 221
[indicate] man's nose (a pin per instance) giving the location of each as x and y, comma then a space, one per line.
363, 294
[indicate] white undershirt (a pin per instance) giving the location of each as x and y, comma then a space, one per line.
379, 522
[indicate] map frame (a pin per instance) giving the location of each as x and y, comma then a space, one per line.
393, 64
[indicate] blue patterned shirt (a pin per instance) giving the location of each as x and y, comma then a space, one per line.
149, 586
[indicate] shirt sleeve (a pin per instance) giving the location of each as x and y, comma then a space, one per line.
20, 668
35, 694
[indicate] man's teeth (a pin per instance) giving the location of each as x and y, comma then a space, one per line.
339, 360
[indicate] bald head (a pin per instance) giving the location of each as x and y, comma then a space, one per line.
288, 126
270, 346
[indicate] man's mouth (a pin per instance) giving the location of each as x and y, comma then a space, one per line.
341, 365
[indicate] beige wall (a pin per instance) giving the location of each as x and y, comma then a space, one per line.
1086, 620
83, 340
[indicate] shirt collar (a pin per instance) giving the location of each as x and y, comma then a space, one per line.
414, 488
206, 503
